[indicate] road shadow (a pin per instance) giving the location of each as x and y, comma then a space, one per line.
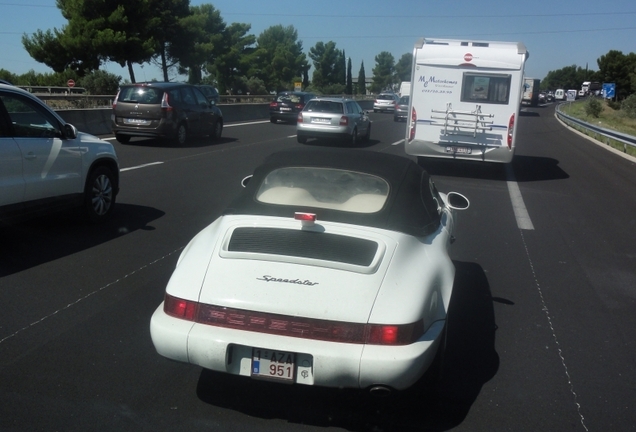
525, 169
431, 404
28, 244
193, 142
529, 113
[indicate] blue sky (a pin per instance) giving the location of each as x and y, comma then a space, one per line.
556, 33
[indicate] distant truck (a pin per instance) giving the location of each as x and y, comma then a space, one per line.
465, 99
530, 91
591, 87
405, 88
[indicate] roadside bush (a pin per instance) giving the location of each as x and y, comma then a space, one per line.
593, 107
100, 82
613, 104
628, 106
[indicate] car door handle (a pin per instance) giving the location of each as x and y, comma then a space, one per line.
30, 155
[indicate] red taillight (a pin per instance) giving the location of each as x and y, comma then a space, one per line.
300, 117
273, 104
344, 121
300, 106
179, 308
511, 129
293, 326
165, 103
413, 124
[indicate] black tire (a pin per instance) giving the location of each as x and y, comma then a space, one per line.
354, 138
395, 119
273, 120
301, 139
99, 194
367, 136
123, 139
182, 135
218, 130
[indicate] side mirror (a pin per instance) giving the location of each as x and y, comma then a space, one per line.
457, 201
69, 131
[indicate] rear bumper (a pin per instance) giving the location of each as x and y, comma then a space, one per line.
320, 363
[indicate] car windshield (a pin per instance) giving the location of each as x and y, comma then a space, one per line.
324, 107
293, 98
140, 95
325, 188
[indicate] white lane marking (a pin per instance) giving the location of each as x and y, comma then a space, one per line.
245, 124
140, 166
398, 142
90, 294
518, 206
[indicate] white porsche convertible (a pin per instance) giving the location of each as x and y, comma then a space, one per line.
330, 269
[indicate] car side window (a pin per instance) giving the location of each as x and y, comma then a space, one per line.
187, 96
29, 120
201, 99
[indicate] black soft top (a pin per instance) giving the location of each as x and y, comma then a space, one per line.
411, 205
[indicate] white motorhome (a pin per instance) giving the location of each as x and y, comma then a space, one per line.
465, 99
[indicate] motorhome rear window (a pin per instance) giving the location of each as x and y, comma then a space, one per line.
486, 88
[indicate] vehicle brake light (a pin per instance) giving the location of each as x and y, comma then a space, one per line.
511, 129
165, 103
300, 106
344, 121
300, 117
413, 124
307, 219
273, 104
293, 326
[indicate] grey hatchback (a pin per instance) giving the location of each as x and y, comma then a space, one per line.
165, 110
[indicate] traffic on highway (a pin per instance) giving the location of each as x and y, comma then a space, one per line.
539, 328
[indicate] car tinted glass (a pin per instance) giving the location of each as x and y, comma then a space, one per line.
324, 106
486, 88
404, 100
140, 95
325, 188
293, 98
29, 119
386, 97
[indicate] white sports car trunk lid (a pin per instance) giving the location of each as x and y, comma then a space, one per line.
333, 272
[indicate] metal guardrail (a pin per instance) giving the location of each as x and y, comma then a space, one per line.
608, 133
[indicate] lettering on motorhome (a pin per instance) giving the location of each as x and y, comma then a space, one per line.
437, 82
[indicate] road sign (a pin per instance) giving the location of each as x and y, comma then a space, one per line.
571, 95
70, 83
609, 90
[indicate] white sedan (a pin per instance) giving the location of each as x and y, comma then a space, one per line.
330, 269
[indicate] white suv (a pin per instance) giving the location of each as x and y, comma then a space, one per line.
46, 164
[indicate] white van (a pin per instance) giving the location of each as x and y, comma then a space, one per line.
559, 94
465, 99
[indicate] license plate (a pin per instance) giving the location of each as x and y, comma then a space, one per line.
279, 365
320, 120
285, 109
137, 121
462, 150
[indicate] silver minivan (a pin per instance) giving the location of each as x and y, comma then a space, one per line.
333, 118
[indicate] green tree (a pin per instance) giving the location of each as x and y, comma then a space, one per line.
362, 80
403, 68
236, 60
199, 41
100, 83
569, 77
616, 67
383, 72
328, 65
349, 87
165, 29
279, 57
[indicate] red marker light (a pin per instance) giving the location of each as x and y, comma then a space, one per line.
307, 219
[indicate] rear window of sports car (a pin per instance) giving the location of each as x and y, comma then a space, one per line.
329, 188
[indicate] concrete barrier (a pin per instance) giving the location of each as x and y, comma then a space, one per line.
97, 121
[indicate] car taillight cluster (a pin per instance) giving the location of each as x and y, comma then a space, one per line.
300, 117
273, 104
293, 326
115, 100
165, 103
511, 129
413, 124
344, 121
